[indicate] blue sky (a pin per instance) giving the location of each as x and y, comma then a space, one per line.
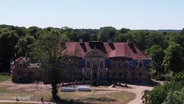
133, 14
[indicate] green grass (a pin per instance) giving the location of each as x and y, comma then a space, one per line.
94, 97
4, 78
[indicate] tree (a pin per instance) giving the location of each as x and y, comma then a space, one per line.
159, 93
157, 54
139, 38
106, 33
173, 60
156, 38
179, 39
54, 64
33, 31
179, 77
124, 30
122, 37
8, 39
24, 45
175, 97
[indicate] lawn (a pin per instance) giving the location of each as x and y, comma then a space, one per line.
99, 97
4, 77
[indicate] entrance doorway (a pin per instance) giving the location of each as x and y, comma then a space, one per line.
94, 75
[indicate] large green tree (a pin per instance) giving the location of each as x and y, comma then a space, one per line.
157, 54
155, 38
159, 92
54, 64
8, 39
178, 38
139, 38
175, 97
173, 60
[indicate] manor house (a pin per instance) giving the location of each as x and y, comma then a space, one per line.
104, 62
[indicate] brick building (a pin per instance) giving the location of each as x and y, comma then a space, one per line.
23, 71
105, 62
96, 62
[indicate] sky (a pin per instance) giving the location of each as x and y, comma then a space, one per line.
132, 14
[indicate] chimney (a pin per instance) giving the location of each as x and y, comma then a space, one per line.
81, 41
109, 41
129, 41
62, 42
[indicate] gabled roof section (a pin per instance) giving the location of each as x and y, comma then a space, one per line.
22, 60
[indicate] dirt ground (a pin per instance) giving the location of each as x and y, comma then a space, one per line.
137, 89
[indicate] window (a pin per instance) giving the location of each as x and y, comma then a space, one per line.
108, 74
125, 75
101, 74
77, 64
114, 64
20, 73
108, 63
120, 64
133, 75
88, 74
113, 74
88, 64
140, 74
95, 66
140, 65
101, 64
120, 74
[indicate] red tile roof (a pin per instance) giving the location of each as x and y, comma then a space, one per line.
21, 60
114, 49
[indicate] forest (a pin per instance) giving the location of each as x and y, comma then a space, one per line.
161, 46
164, 47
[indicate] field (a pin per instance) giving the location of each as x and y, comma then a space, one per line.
35, 91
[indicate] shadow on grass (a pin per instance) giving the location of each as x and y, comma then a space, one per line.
58, 100
84, 101
101, 99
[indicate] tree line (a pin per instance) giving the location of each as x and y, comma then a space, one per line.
161, 46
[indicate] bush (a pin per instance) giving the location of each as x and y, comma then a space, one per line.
159, 93
179, 77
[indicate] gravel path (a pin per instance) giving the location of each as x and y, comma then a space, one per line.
138, 90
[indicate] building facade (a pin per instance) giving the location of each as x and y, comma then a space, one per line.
96, 62
108, 62
23, 71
